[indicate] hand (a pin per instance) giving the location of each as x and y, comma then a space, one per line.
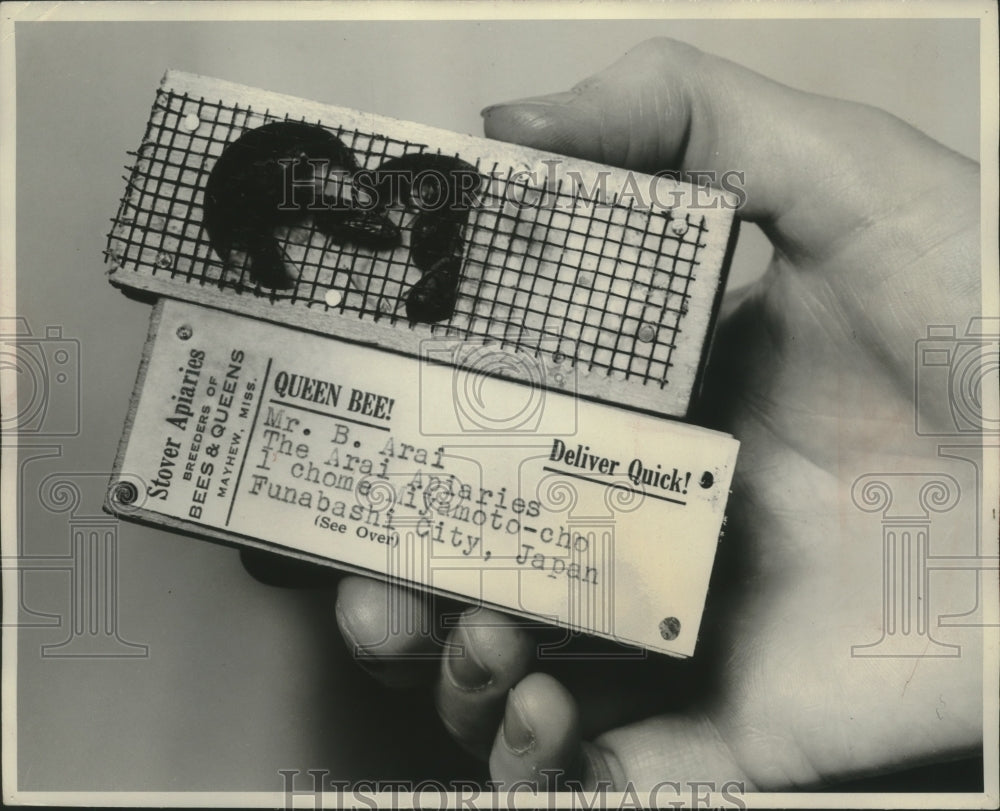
875, 231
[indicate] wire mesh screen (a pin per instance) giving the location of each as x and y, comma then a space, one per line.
544, 268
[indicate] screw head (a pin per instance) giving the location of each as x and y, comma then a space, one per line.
124, 493
184, 332
670, 628
646, 333
679, 227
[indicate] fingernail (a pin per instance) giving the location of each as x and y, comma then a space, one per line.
464, 669
359, 654
517, 735
550, 100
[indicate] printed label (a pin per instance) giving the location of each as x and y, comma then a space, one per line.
575, 513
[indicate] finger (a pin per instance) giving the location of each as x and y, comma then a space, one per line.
487, 654
273, 569
814, 169
686, 748
393, 632
539, 736
540, 743
587, 665
875, 225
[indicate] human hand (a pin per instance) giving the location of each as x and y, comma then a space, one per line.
875, 231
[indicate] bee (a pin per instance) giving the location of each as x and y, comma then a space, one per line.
257, 186
273, 176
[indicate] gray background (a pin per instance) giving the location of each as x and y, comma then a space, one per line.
242, 679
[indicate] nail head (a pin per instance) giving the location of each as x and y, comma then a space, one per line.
670, 628
124, 493
646, 333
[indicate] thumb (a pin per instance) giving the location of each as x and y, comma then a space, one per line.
540, 743
813, 168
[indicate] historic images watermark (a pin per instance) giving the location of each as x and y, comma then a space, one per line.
957, 368
317, 788
579, 545
955, 372
89, 611
317, 185
475, 405
906, 502
45, 369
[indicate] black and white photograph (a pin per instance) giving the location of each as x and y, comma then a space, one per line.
517, 404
